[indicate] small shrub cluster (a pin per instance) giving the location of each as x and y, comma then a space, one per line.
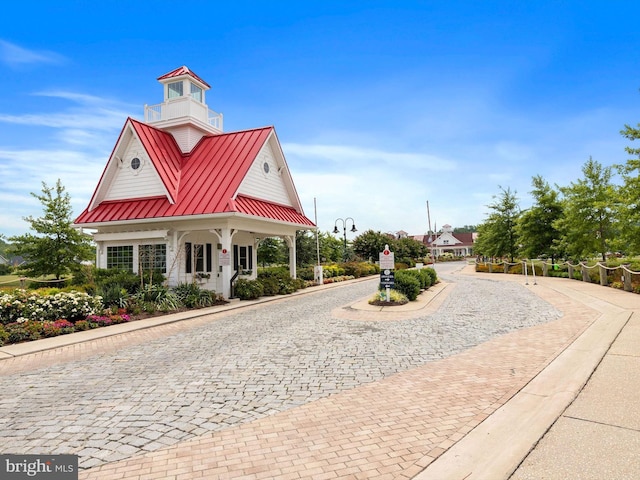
411, 282
340, 278
246, 289
271, 281
360, 269
350, 269
395, 298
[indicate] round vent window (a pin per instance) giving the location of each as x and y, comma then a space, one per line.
265, 166
135, 163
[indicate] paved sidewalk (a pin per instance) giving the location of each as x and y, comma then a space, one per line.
602, 436
476, 414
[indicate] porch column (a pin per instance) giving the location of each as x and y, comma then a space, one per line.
226, 236
291, 243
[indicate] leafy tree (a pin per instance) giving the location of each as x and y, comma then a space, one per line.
497, 236
272, 251
409, 248
306, 248
466, 229
56, 248
588, 223
629, 211
537, 226
331, 248
369, 244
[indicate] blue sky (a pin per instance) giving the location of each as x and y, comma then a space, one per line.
380, 106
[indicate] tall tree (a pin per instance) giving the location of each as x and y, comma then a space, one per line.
497, 236
537, 226
306, 251
588, 223
410, 248
56, 248
629, 212
369, 244
331, 248
272, 251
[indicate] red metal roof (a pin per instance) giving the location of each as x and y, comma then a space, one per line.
183, 71
164, 154
200, 183
260, 208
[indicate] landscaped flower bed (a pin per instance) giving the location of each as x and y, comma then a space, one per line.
31, 315
21, 305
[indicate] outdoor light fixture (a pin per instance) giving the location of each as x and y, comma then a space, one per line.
344, 229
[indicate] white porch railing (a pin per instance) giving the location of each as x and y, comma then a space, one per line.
182, 107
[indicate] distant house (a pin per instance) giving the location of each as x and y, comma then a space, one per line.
180, 195
459, 244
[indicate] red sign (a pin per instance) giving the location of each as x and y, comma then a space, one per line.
386, 252
224, 250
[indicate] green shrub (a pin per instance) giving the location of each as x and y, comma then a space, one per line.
23, 332
248, 289
113, 295
406, 261
106, 278
407, 283
4, 336
432, 273
277, 281
270, 286
305, 273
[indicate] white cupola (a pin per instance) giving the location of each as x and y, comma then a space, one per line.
184, 112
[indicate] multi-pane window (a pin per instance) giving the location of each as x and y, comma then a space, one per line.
196, 92
152, 258
198, 257
120, 257
243, 257
175, 89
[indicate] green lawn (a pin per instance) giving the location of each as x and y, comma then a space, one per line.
10, 281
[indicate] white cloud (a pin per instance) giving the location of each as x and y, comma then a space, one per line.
342, 155
16, 56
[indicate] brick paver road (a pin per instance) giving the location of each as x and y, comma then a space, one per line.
265, 369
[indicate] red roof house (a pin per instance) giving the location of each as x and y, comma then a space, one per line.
181, 195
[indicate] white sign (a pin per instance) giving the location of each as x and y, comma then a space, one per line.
387, 260
224, 258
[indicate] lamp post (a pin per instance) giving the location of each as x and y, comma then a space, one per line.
344, 229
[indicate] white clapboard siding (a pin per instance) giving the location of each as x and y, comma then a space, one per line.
186, 137
266, 186
140, 183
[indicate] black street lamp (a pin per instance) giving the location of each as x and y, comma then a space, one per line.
344, 228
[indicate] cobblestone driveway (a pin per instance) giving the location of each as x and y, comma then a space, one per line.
241, 367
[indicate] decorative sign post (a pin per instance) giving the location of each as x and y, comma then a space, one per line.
387, 266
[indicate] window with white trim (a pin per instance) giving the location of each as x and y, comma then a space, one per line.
152, 258
174, 89
120, 257
196, 93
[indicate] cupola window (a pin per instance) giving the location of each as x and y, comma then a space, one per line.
175, 89
196, 93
